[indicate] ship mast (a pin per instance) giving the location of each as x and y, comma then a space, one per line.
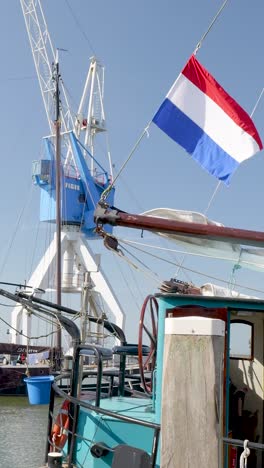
56, 78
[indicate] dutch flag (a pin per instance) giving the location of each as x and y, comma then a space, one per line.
200, 115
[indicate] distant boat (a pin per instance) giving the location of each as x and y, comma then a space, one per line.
13, 370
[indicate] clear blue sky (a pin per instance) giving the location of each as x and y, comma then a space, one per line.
143, 44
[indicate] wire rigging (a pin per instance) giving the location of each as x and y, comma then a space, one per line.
210, 27
215, 278
109, 188
145, 131
13, 236
80, 27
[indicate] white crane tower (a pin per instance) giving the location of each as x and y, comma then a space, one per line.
81, 175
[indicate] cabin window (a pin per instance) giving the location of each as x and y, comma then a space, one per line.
81, 198
241, 339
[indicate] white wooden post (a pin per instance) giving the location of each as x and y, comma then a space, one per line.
192, 390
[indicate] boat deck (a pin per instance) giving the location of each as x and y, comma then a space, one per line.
138, 408
95, 428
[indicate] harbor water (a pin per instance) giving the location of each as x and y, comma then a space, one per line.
22, 433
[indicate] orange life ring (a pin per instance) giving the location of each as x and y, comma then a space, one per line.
59, 432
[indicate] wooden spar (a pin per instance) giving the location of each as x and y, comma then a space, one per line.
104, 215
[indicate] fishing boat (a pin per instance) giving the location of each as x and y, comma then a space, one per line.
201, 371
13, 368
200, 394
201, 375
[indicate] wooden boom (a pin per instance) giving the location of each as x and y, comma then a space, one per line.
106, 215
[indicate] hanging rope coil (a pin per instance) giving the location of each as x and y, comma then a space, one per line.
244, 455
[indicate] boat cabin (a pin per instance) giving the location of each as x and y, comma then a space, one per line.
197, 399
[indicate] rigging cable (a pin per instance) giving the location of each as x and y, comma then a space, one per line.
210, 27
9, 305
80, 28
109, 188
197, 272
145, 131
194, 254
34, 250
21, 78
160, 239
128, 287
139, 261
19, 332
153, 276
12, 238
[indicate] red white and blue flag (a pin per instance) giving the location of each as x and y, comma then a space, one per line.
202, 117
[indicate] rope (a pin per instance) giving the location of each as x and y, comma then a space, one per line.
26, 360
257, 103
151, 275
244, 455
212, 197
137, 259
127, 283
19, 332
197, 272
236, 267
210, 27
165, 249
109, 188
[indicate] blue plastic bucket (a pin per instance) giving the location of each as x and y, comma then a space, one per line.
38, 389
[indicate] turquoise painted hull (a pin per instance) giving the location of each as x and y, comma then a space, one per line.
94, 428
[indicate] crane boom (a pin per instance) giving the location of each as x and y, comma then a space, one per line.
83, 178
44, 56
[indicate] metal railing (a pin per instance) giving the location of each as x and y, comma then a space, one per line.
76, 404
228, 442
